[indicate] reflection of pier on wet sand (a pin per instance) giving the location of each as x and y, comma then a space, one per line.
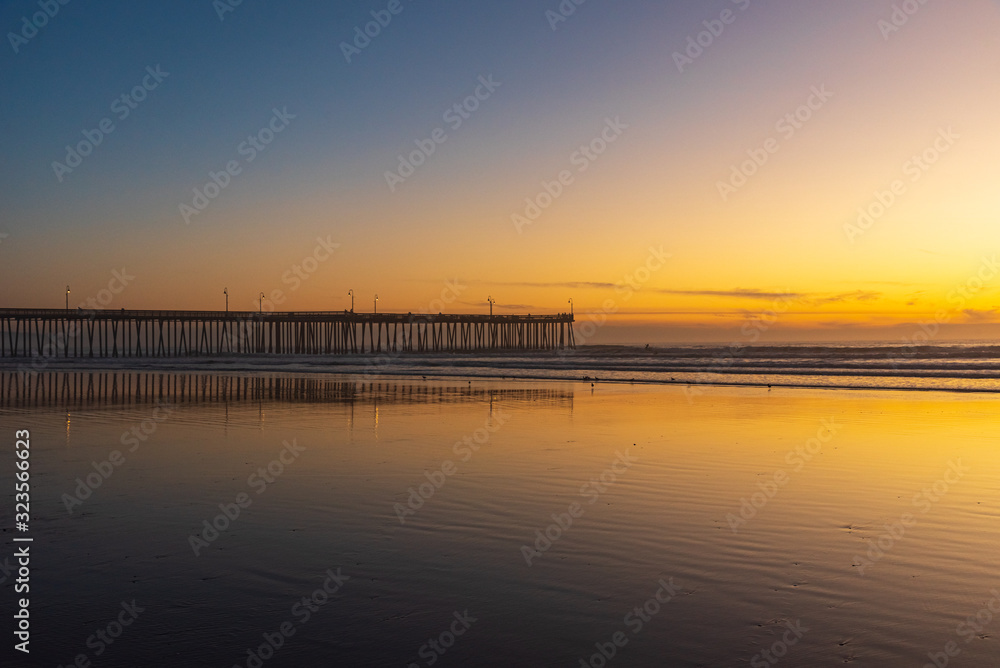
84, 388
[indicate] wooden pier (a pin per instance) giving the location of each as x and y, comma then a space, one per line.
52, 333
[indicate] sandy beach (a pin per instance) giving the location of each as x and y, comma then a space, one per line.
828, 526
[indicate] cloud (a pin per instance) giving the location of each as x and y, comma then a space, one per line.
980, 315
856, 296
813, 299
896, 283
737, 293
579, 285
915, 297
485, 304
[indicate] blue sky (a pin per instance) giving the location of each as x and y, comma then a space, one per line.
325, 173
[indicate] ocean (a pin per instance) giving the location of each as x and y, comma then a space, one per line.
962, 366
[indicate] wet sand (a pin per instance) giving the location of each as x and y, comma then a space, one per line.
529, 523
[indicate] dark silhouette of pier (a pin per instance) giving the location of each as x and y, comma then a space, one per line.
124, 333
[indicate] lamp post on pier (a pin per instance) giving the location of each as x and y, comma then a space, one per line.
351, 292
225, 291
571, 306
67, 297
491, 302
376, 304
260, 305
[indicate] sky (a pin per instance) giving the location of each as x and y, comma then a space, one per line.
684, 171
